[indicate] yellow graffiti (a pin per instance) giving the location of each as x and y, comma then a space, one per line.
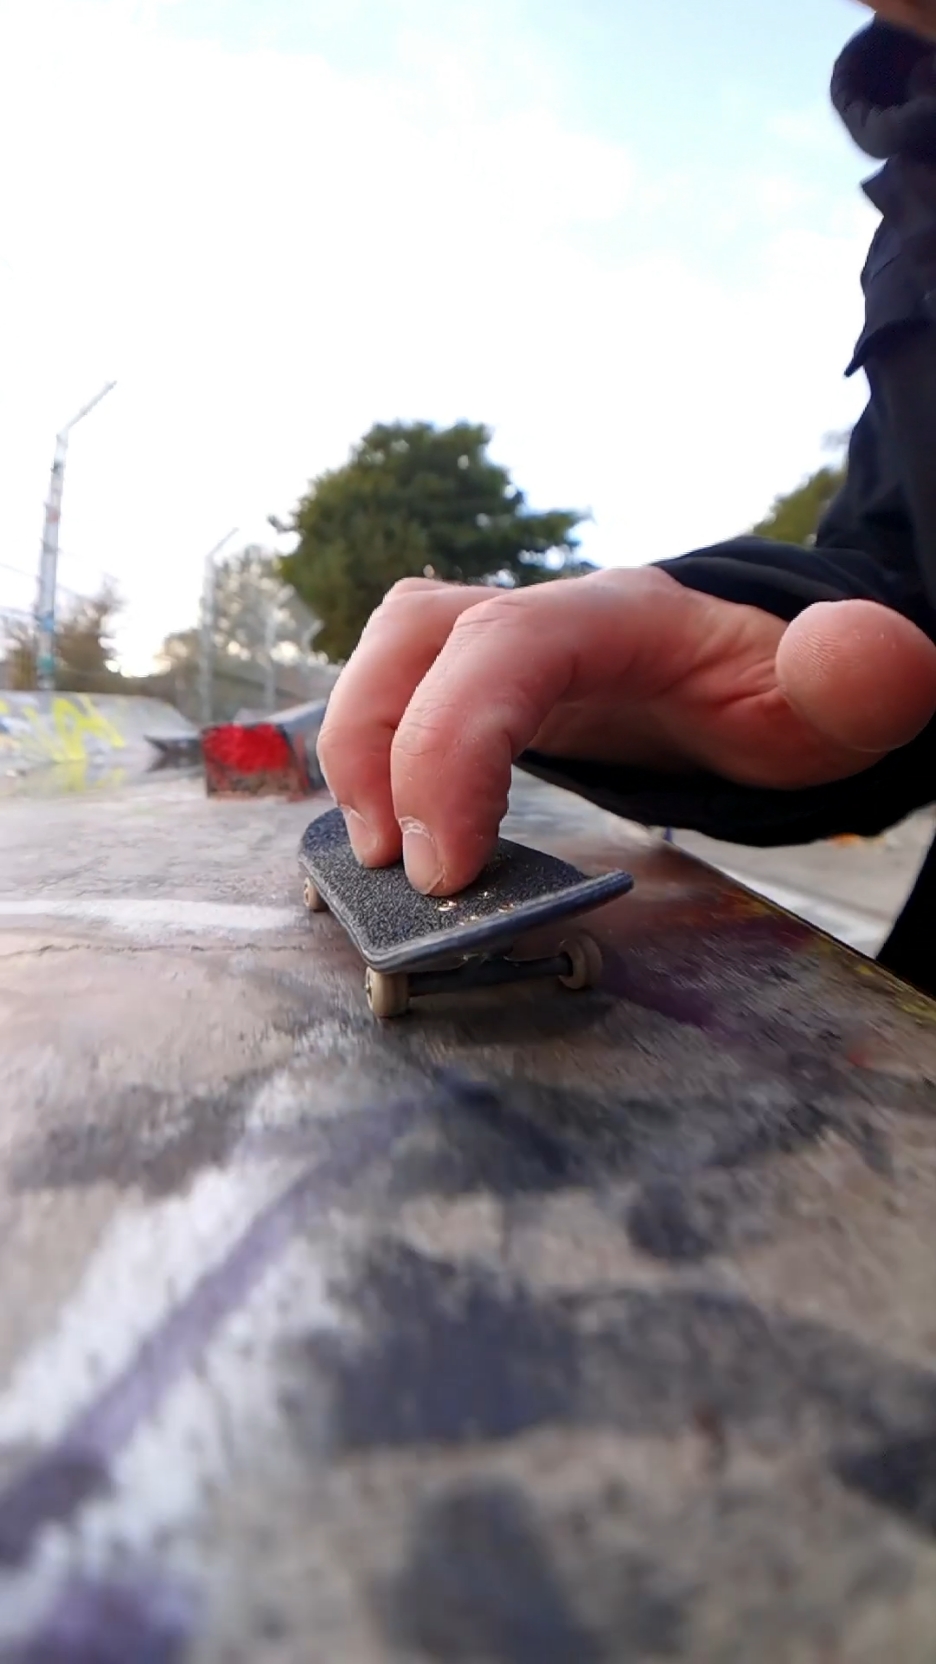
67, 730
7, 742
915, 1005
63, 780
898, 993
77, 777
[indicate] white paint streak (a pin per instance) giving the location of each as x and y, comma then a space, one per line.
147, 917
215, 1417
149, 1258
221, 1417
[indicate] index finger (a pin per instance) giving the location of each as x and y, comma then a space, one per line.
507, 663
398, 646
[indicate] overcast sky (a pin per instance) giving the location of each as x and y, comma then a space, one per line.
625, 233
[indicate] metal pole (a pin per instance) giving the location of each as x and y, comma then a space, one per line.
206, 654
48, 564
269, 665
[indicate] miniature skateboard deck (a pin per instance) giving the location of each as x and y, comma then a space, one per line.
465, 940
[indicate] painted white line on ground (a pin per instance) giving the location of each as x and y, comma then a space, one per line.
144, 917
148, 917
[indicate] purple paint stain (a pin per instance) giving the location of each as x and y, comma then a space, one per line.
677, 997
630, 981
56, 1485
144, 1620
52, 1487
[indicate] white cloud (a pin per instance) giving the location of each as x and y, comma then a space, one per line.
269, 255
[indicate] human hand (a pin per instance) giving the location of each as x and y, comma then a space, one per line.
449, 684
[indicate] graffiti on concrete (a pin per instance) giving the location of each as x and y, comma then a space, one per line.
59, 728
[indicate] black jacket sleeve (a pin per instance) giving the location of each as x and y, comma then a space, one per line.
782, 580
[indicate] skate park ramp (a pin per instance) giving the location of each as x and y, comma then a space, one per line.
81, 736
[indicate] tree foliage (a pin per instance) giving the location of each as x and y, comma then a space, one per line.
795, 516
416, 499
254, 610
84, 636
255, 613
84, 645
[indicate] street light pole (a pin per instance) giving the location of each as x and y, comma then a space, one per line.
48, 564
271, 630
206, 656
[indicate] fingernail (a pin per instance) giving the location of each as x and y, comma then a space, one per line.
420, 856
360, 836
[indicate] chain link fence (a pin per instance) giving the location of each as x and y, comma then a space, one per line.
251, 652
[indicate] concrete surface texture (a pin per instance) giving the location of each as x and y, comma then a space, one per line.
537, 1329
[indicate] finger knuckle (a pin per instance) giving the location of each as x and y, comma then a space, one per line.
406, 587
503, 607
398, 607
424, 735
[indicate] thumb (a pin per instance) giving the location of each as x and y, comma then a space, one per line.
861, 675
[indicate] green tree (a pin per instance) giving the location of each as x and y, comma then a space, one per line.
415, 499
19, 653
83, 644
795, 516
